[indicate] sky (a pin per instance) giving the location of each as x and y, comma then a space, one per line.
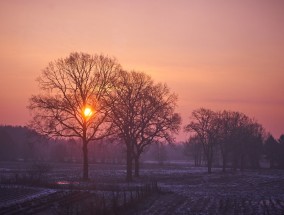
221, 55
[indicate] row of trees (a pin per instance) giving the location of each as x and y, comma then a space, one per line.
274, 151
91, 97
233, 135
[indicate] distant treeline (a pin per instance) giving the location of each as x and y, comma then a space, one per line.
22, 144
270, 153
232, 139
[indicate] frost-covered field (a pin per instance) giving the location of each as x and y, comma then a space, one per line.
193, 191
185, 189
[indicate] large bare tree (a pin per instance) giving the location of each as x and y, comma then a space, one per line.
72, 100
143, 113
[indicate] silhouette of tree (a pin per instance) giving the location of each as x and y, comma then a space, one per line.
7, 146
274, 151
281, 139
18, 143
280, 154
69, 86
205, 126
270, 150
231, 125
254, 145
243, 144
143, 113
239, 137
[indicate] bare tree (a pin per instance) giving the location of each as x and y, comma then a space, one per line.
280, 153
254, 144
205, 125
72, 101
274, 151
247, 143
143, 113
231, 124
239, 137
158, 120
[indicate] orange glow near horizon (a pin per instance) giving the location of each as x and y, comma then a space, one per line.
213, 54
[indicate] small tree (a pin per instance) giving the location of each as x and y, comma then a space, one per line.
255, 144
72, 102
247, 146
240, 139
205, 126
230, 122
273, 151
280, 154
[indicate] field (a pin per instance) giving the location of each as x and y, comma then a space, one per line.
182, 190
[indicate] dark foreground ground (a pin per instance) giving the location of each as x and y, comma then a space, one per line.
183, 190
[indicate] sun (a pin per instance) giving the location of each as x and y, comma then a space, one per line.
88, 112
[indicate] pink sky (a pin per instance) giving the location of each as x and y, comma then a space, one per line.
213, 54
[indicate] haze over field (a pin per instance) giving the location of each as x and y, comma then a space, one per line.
218, 55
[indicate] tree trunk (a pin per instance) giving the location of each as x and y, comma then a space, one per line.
137, 166
85, 153
129, 163
85, 161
